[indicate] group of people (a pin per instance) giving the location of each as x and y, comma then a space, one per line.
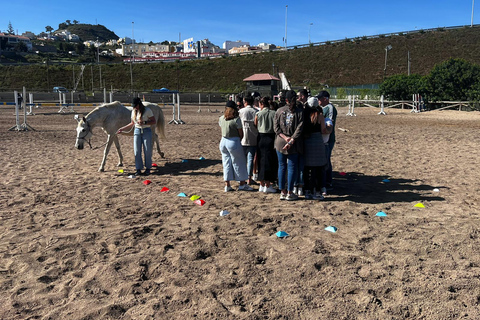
289, 143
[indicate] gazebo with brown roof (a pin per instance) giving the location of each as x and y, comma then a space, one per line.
264, 83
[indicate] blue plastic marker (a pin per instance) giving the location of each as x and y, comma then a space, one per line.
282, 234
331, 229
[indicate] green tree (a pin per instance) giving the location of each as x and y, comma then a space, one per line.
454, 79
62, 26
75, 21
21, 47
10, 29
402, 87
49, 29
68, 22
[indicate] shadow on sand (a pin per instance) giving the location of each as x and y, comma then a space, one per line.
360, 188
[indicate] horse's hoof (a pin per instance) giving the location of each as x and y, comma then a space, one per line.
120, 165
162, 155
101, 170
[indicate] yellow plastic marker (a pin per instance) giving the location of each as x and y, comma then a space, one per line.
419, 205
121, 170
194, 197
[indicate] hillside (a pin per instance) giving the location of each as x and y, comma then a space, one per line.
91, 32
340, 64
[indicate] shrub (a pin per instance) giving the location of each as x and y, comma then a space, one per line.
454, 79
401, 86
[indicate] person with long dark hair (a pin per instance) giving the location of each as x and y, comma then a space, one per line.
314, 149
142, 118
266, 155
288, 128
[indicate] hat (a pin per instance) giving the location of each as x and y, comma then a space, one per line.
323, 94
136, 101
312, 102
290, 95
231, 104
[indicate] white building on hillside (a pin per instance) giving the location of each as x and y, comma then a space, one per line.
227, 45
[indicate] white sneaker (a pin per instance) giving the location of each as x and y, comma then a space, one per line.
255, 176
262, 188
299, 191
270, 189
245, 187
318, 196
283, 196
228, 188
295, 189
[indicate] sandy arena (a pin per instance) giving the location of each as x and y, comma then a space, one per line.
76, 243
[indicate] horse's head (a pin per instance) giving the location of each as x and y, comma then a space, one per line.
84, 132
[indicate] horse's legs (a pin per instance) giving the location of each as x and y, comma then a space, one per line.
120, 156
155, 140
105, 153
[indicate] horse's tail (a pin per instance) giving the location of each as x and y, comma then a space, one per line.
161, 124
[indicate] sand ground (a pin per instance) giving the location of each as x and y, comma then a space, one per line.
76, 243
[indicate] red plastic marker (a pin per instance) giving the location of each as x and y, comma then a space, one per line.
199, 202
164, 189
147, 182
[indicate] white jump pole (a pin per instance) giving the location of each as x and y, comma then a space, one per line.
416, 103
30, 104
199, 103
25, 125
382, 106
111, 96
18, 126
173, 109
351, 106
104, 95
24, 105
179, 120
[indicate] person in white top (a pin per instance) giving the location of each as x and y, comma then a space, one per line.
142, 119
250, 134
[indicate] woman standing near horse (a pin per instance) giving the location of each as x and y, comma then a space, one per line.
142, 118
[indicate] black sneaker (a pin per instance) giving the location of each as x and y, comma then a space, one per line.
147, 172
138, 173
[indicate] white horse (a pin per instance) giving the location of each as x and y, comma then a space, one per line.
110, 117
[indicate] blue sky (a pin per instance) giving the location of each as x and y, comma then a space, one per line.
251, 21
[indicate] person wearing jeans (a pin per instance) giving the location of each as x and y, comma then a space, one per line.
142, 137
287, 169
250, 134
329, 111
142, 119
288, 127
